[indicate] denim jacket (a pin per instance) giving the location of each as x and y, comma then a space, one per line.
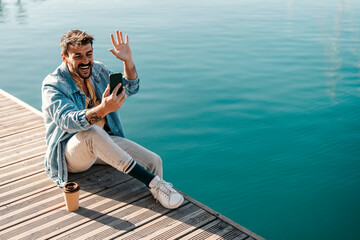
63, 108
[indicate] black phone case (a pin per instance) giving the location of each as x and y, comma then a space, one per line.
115, 79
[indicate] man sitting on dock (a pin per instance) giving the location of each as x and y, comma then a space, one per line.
83, 125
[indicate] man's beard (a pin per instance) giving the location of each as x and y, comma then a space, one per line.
79, 71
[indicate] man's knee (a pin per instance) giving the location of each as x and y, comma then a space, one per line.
155, 165
156, 160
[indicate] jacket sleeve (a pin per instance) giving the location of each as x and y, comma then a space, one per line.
57, 107
131, 86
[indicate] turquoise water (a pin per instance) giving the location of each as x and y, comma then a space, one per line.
253, 105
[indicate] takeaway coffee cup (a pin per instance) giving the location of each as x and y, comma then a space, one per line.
71, 194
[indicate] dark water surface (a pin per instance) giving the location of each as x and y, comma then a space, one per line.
253, 105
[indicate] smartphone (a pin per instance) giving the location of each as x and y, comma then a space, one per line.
115, 79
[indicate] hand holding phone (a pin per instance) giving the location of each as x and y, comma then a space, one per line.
115, 79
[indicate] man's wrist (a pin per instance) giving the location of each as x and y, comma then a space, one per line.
130, 70
129, 63
95, 114
102, 109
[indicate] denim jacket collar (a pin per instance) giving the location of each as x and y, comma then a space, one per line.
72, 85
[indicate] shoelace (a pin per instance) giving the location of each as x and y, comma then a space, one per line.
164, 187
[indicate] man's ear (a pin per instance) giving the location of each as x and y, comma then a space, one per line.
63, 58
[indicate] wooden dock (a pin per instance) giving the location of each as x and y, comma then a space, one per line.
112, 205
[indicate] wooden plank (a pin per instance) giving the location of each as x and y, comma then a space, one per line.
213, 230
22, 153
36, 184
18, 101
172, 225
225, 219
23, 210
20, 121
23, 188
6, 117
21, 169
22, 138
2, 97
26, 146
120, 219
236, 234
24, 120
17, 150
126, 219
12, 116
6, 101
17, 178
92, 208
6, 129
5, 133
11, 109
52, 199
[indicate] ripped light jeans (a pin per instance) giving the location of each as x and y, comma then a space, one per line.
96, 146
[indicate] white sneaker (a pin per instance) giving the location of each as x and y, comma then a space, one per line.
165, 193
